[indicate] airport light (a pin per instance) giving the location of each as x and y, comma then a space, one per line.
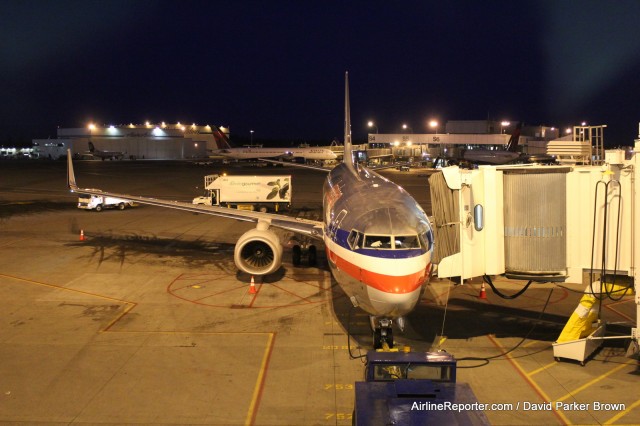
251, 131
434, 125
405, 127
371, 124
568, 130
91, 126
503, 125
396, 143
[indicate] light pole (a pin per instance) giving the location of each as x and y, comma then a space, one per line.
251, 131
503, 125
371, 124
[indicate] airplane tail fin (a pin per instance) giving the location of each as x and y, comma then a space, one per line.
512, 145
71, 177
222, 142
91, 147
348, 156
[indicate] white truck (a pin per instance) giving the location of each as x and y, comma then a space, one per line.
99, 202
261, 193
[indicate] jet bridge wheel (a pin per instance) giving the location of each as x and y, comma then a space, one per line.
121, 206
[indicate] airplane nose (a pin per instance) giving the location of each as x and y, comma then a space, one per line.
393, 304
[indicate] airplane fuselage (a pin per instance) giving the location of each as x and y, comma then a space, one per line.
378, 241
252, 153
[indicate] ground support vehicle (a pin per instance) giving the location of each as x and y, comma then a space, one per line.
414, 388
98, 202
261, 193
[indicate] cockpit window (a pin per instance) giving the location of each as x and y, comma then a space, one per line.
427, 239
354, 239
357, 240
406, 241
377, 241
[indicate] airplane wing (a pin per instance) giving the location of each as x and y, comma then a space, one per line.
306, 227
290, 164
388, 166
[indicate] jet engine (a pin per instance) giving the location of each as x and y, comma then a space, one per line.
258, 251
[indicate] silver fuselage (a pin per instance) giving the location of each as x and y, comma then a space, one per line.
359, 204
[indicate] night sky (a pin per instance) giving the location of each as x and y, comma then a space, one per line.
277, 67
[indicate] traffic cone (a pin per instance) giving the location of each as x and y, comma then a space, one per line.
252, 287
81, 235
483, 292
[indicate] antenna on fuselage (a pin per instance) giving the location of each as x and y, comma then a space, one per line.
348, 156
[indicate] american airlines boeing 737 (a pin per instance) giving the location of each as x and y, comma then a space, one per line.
378, 240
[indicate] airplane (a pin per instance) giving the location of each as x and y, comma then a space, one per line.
378, 240
112, 155
469, 157
306, 154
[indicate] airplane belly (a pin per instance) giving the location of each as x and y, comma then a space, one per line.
390, 304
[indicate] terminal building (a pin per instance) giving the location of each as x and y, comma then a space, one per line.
133, 141
474, 134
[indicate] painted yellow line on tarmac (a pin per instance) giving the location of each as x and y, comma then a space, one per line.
26, 280
594, 381
544, 367
531, 382
8, 243
257, 390
621, 414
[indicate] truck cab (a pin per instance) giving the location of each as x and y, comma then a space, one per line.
413, 388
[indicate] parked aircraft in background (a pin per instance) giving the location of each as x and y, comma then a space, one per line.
307, 154
468, 157
378, 240
103, 155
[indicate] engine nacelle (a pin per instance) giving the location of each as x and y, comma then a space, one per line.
258, 252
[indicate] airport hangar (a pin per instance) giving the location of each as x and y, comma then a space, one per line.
137, 141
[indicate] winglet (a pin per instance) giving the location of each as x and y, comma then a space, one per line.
71, 177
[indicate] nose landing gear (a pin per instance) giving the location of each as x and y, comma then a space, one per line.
382, 332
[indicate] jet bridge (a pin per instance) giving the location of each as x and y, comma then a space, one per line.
538, 223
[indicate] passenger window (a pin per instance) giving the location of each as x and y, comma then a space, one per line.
407, 241
377, 241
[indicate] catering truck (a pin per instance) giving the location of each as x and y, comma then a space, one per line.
261, 193
99, 202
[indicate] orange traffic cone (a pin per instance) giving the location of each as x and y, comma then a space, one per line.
252, 287
81, 235
483, 292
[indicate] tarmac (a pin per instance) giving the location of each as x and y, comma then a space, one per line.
147, 320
